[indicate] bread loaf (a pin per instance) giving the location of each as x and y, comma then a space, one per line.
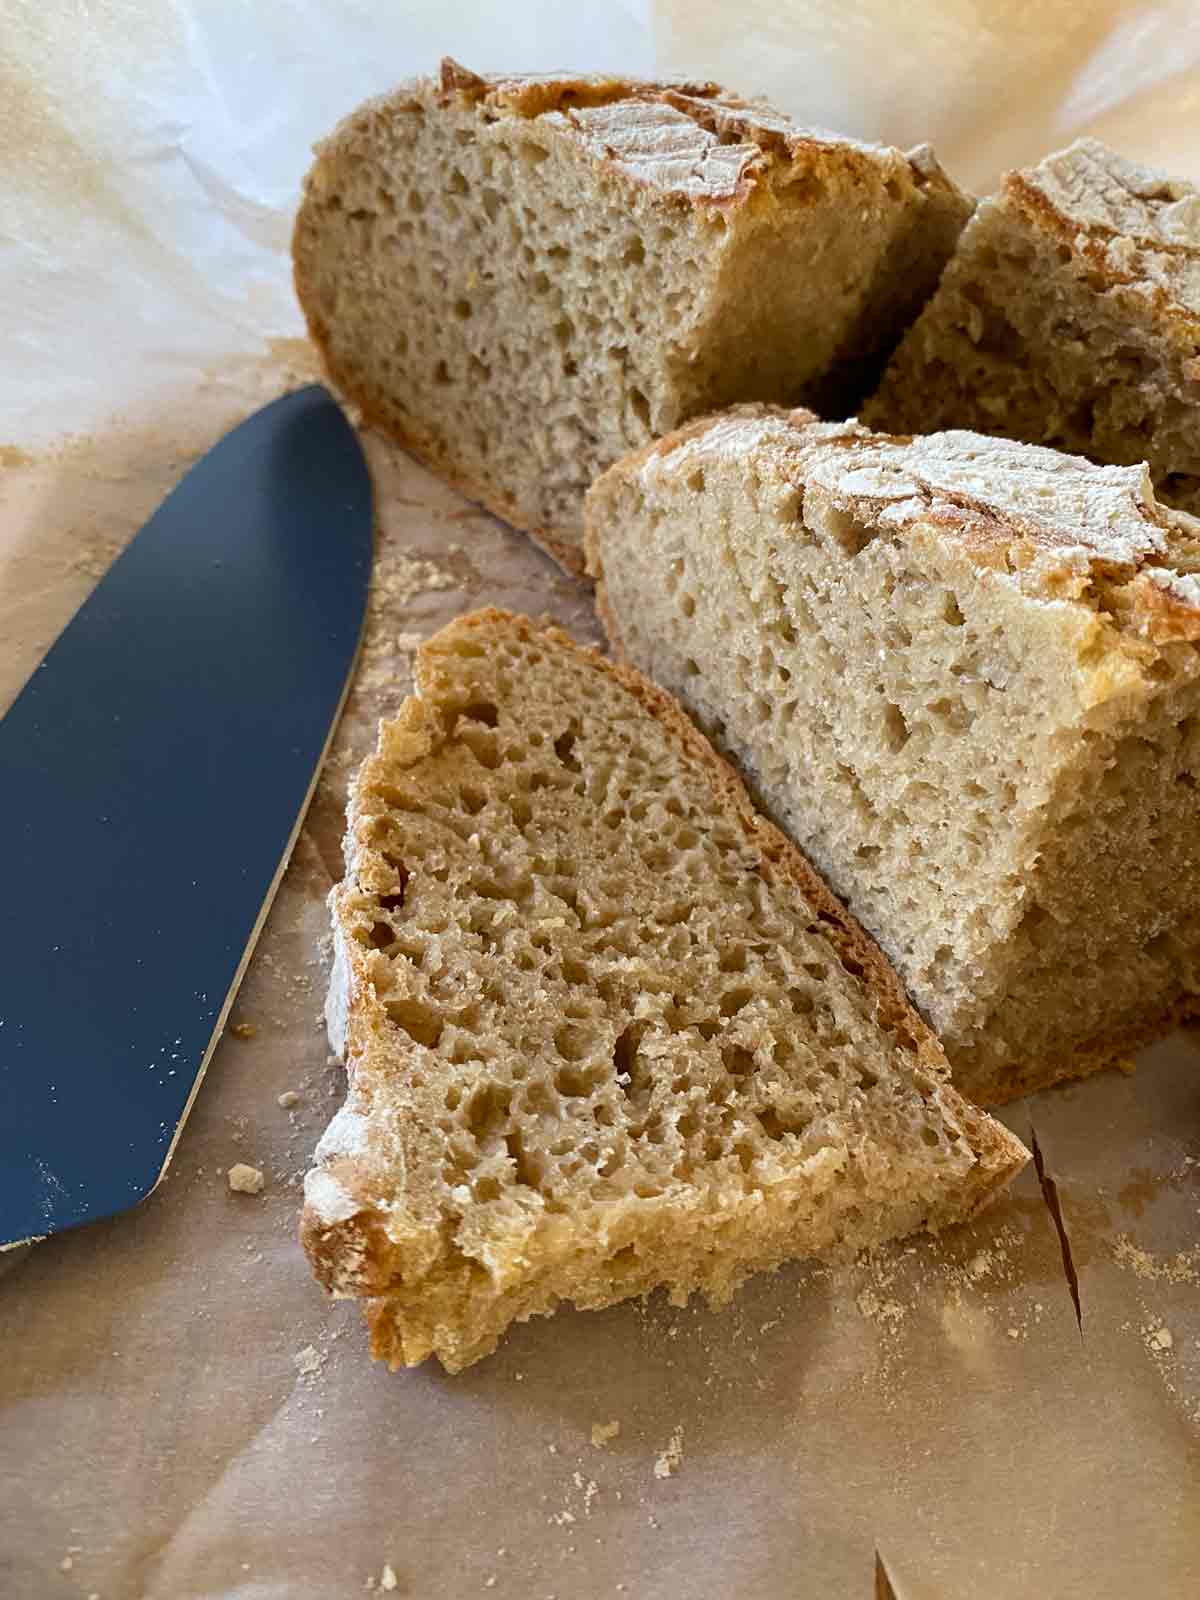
1069, 316
520, 279
964, 675
604, 1027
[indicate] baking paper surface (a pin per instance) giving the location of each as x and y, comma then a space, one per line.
182, 1414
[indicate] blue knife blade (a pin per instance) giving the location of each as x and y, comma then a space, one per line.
154, 773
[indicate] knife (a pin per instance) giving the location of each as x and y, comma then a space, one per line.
154, 773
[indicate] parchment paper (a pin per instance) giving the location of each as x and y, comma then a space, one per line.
182, 1414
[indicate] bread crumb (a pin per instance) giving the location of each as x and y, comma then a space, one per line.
1162, 1339
590, 1490
288, 1099
388, 1579
668, 1460
1126, 1064
244, 1179
308, 1360
602, 1432
980, 1264
886, 1312
1179, 1268
244, 1030
66, 1563
490, 1583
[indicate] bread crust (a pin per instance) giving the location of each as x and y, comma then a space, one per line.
1089, 198
915, 481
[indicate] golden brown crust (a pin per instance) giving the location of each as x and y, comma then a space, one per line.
1128, 558
533, 94
359, 1237
1089, 239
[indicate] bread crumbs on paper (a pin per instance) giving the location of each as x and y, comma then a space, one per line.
288, 1099
669, 1459
244, 1030
388, 1579
603, 1432
308, 1360
245, 1179
590, 1490
886, 1311
1179, 1268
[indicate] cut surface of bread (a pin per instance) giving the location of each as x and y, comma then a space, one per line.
605, 1029
1069, 316
962, 675
520, 279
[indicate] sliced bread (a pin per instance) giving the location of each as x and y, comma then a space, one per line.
962, 676
1069, 316
604, 1027
520, 279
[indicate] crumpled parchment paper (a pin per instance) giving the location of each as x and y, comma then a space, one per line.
182, 1414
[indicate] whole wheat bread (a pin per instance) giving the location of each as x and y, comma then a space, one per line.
1069, 316
604, 1027
960, 673
520, 279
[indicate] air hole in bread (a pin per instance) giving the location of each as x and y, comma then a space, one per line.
421, 1022
563, 747
737, 1060
895, 728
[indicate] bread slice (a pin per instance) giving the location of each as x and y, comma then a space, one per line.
520, 279
958, 672
605, 1028
1069, 316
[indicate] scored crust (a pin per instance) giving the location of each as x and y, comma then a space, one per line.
1138, 227
1004, 502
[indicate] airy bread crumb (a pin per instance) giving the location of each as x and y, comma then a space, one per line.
522, 278
605, 1029
964, 675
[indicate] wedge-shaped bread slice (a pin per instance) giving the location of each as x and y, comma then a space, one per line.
957, 671
521, 279
605, 1029
1069, 316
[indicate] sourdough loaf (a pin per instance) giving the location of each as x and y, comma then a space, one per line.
964, 675
1069, 316
604, 1027
520, 279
